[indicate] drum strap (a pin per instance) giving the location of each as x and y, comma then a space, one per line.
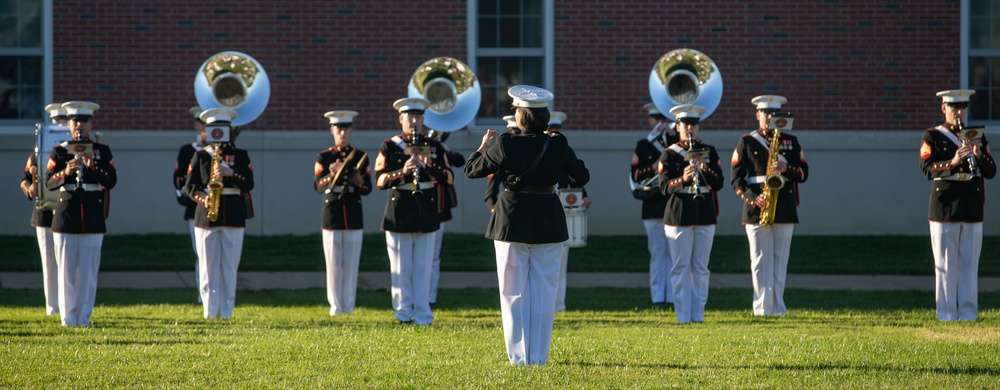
531, 167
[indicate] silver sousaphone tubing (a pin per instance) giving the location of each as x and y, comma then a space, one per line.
236, 81
453, 90
685, 76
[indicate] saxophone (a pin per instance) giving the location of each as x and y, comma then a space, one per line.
773, 182
214, 186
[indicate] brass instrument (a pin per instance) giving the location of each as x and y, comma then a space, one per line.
971, 158
685, 76
773, 181
453, 90
236, 81
692, 156
214, 186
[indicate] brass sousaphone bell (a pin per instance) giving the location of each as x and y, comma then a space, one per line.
236, 81
685, 76
453, 90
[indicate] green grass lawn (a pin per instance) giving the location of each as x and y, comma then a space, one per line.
900, 255
608, 338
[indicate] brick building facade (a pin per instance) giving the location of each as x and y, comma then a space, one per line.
843, 64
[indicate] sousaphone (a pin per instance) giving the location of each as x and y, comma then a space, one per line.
685, 76
453, 90
233, 80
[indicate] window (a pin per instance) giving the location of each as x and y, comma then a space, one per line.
983, 66
510, 43
22, 69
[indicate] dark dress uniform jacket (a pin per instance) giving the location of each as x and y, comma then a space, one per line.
682, 209
750, 159
952, 200
644, 165
232, 207
447, 196
342, 201
404, 212
529, 217
80, 212
184, 156
40, 217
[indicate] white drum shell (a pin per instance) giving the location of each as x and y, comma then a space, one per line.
576, 224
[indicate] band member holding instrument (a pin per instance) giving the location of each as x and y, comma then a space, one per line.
184, 156
556, 119
528, 225
644, 164
407, 166
342, 175
494, 180
220, 239
769, 242
955, 213
690, 176
41, 218
79, 169
447, 199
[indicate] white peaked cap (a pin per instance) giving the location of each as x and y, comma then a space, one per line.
195, 112
411, 104
557, 118
687, 111
342, 117
530, 96
80, 108
55, 110
220, 114
955, 95
651, 108
768, 101
511, 122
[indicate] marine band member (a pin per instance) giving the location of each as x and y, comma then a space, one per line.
957, 167
81, 170
342, 175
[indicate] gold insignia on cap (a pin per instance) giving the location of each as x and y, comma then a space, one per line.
79, 105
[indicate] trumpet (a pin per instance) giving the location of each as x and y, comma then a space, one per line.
696, 182
973, 168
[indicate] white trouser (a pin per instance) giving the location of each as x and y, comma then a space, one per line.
50, 269
342, 249
219, 251
956, 248
561, 289
194, 246
79, 258
659, 261
769, 246
410, 263
432, 296
527, 275
690, 249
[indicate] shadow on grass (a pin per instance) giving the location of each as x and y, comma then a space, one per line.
868, 368
578, 300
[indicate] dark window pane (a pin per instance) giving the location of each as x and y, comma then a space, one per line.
532, 7
487, 7
486, 71
8, 30
531, 71
510, 7
532, 32
31, 71
979, 73
31, 30
30, 102
490, 106
510, 32
487, 32
979, 8
510, 71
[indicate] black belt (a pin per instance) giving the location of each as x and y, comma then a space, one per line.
531, 189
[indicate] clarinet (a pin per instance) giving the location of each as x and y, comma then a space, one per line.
696, 182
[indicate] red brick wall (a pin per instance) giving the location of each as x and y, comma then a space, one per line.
843, 64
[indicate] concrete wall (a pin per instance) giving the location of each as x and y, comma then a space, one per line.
860, 183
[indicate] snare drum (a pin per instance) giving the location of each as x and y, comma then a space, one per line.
576, 224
